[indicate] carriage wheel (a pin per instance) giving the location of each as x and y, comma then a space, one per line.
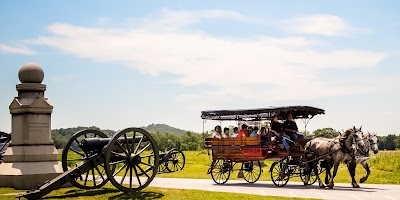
312, 179
280, 173
220, 171
133, 169
161, 165
251, 171
73, 155
176, 160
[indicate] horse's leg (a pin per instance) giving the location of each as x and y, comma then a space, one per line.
366, 167
351, 166
328, 173
316, 172
335, 168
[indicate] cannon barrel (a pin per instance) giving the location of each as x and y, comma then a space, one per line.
97, 144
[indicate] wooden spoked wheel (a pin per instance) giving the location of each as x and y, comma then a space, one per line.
73, 155
280, 173
251, 171
176, 160
312, 179
221, 170
162, 166
129, 152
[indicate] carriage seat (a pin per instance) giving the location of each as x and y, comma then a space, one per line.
240, 142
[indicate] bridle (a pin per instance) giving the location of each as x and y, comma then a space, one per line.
371, 143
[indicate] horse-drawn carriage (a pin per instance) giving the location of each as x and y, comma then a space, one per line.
249, 151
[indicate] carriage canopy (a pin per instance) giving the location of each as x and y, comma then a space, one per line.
299, 112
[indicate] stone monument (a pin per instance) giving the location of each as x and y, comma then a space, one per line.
31, 157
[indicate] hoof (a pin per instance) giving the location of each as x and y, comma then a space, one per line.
330, 186
356, 186
363, 179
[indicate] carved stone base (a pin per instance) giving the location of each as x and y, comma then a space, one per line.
28, 175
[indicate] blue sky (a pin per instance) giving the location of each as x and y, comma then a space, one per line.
131, 63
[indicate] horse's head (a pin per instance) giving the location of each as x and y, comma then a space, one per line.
373, 142
358, 137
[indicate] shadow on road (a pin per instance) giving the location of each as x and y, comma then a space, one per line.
309, 187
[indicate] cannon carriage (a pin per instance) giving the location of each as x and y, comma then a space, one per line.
129, 160
5, 138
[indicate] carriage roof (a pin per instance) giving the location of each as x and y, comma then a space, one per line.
262, 113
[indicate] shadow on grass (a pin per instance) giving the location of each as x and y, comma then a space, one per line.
119, 196
139, 195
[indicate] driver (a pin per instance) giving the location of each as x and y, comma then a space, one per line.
290, 128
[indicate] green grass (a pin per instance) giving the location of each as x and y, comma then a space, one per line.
109, 192
385, 169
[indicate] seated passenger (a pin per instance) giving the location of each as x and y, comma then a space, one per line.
235, 132
264, 136
217, 133
249, 130
290, 128
254, 133
276, 129
243, 131
225, 134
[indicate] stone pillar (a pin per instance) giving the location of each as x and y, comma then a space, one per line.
31, 157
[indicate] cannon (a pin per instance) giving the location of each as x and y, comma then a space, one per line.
171, 161
5, 138
129, 160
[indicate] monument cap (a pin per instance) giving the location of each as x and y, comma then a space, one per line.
31, 73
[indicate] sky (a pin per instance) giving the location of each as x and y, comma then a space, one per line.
132, 63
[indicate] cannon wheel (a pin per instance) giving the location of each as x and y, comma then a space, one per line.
176, 160
130, 158
162, 166
220, 171
280, 172
73, 154
251, 171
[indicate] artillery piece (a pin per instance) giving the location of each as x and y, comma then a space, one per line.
5, 138
129, 160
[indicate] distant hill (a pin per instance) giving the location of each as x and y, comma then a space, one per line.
163, 128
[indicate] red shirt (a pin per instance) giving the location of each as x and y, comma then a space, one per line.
242, 133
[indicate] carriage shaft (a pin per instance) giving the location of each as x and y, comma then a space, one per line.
66, 177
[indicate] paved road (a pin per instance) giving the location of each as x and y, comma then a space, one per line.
292, 189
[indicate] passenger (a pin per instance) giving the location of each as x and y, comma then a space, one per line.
235, 132
265, 137
262, 132
225, 134
243, 131
254, 133
290, 128
249, 130
276, 129
217, 133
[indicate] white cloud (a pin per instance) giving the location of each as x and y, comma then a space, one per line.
21, 49
275, 66
322, 24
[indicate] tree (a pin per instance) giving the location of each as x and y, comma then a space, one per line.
390, 142
325, 132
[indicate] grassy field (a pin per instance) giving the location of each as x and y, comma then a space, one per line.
385, 169
109, 192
